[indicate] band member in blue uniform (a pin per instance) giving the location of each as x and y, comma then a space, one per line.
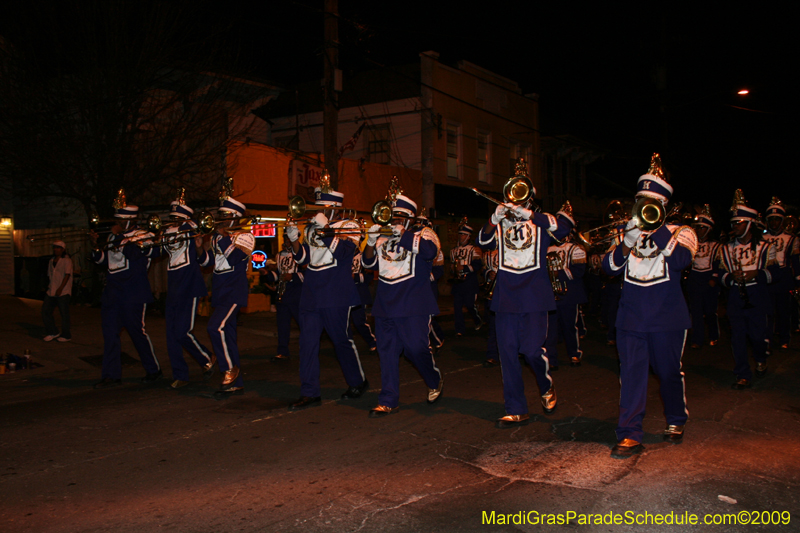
436, 334
404, 303
358, 316
290, 286
572, 259
185, 287
328, 296
490, 267
465, 263
747, 264
522, 297
703, 283
126, 294
786, 257
230, 253
653, 318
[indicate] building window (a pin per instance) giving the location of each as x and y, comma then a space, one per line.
565, 176
291, 142
576, 178
484, 156
378, 143
549, 173
453, 150
516, 150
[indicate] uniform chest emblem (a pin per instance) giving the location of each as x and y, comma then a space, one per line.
518, 237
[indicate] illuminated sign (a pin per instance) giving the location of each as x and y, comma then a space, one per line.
263, 230
259, 259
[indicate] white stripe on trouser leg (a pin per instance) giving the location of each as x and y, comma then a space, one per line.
353, 344
430, 352
222, 337
680, 369
191, 335
432, 331
544, 356
146, 336
577, 333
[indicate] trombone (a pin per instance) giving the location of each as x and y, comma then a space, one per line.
381, 215
206, 225
648, 213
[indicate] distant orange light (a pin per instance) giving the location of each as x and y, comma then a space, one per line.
743, 91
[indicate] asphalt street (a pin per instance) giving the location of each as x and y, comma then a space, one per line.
139, 458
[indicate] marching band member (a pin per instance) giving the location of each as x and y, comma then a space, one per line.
290, 286
747, 263
327, 298
490, 267
185, 287
572, 257
230, 252
435, 334
703, 288
652, 318
126, 294
358, 315
787, 248
404, 303
465, 261
522, 298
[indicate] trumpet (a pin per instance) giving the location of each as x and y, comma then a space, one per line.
740, 284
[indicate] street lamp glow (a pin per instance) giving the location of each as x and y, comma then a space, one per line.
743, 92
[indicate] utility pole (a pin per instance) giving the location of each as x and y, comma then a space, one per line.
332, 84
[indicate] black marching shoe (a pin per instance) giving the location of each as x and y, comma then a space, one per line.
152, 377
626, 448
576, 361
761, 369
435, 394
231, 390
382, 410
512, 421
741, 384
489, 363
107, 382
304, 402
280, 358
356, 392
549, 400
674, 434
210, 367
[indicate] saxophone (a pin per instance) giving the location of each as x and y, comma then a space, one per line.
554, 264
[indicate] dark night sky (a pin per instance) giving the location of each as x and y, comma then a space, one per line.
594, 68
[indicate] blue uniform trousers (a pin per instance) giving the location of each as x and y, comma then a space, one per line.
780, 321
130, 317
751, 325
465, 294
403, 335
703, 301
222, 331
563, 320
491, 343
336, 322
638, 351
179, 320
581, 323
611, 297
358, 316
288, 308
522, 333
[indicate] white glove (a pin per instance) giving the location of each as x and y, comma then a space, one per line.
398, 230
292, 233
372, 234
321, 220
522, 212
632, 234
499, 214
